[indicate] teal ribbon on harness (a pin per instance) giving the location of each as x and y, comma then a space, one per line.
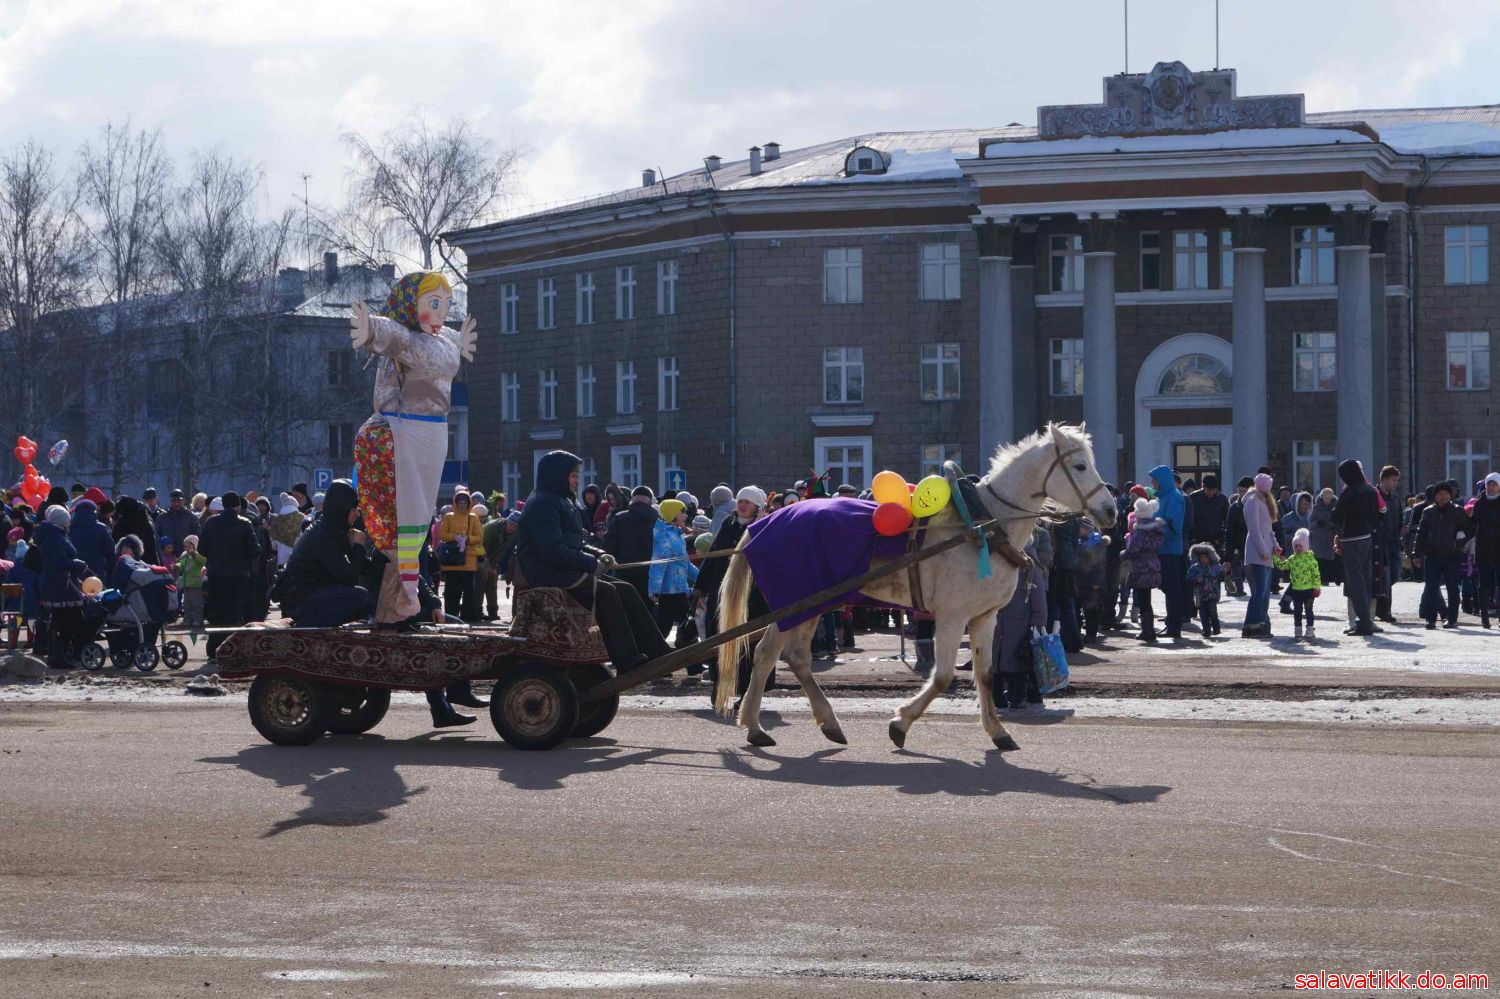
984, 542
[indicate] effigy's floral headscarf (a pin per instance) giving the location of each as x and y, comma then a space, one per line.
401, 304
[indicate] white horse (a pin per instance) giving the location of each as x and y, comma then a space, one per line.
1050, 472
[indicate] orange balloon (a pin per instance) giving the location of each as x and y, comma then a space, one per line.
891, 519
888, 487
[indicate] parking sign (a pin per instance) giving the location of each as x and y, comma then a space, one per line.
322, 479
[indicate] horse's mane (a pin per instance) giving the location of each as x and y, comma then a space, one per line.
1006, 454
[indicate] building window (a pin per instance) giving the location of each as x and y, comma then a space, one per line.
1312, 255
1226, 258
1466, 254
586, 382
588, 471
939, 372
843, 275
843, 374
546, 303
1067, 263
1067, 366
625, 388
1468, 361
340, 367
340, 443
1150, 261
1314, 465
666, 287
666, 463
1189, 260
666, 384
510, 308
940, 272
846, 459
624, 292
933, 456
1314, 362
584, 299
1195, 374
1468, 461
546, 397
625, 466
510, 397
510, 481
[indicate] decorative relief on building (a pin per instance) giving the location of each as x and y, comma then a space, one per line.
1169, 98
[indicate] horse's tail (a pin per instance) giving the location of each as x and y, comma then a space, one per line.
734, 610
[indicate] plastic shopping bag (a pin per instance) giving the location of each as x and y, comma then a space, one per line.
1049, 661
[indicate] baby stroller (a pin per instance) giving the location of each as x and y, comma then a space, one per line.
146, 601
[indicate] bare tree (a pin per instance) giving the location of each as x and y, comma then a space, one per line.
416, 184
210, 248
122, 187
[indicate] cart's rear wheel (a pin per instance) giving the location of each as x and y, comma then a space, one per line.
534, 707
174, 654
91, 657
593, 716
289, 710
357, 709
146, 658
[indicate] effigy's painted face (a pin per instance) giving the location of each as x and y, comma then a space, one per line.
432, 309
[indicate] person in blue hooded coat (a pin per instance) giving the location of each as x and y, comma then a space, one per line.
61, 595
92, 539
1172, 509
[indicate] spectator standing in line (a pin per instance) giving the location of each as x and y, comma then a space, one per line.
230, 546
1355, 517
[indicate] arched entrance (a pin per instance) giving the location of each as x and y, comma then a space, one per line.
1184, 407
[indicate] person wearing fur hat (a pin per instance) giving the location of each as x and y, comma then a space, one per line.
1306, 583
1439, 546
1205, 574
671, 582
721, 504
629, 537
1142, 551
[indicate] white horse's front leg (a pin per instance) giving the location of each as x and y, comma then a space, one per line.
945, 653
799, 656
982, 643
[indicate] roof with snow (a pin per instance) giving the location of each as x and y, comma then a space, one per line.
928, 156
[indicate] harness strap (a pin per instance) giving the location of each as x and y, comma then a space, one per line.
913, 571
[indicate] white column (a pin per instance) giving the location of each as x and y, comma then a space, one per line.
1099, 403
996, 358
1249, 446
1356, 438
1380, 400
1025, 389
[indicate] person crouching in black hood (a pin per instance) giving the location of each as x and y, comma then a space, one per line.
320, 585
553, 550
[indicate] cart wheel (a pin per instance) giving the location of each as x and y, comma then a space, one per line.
121, 658
534, 707
593, 717
91, 657
357, 709
146, 658
289, 710
174, 654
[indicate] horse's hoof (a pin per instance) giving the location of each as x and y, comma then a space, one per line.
1005, 743
834, 734
897, 734
761, 739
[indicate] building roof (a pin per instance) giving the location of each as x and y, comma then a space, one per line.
929, 156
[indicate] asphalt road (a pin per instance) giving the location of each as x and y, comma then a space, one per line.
168, 851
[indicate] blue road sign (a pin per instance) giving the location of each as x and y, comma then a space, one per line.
676, 479
322, 479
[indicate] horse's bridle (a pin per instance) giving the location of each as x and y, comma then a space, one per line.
1060, 461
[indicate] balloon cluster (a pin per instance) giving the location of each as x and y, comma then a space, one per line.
34, 486
899, 502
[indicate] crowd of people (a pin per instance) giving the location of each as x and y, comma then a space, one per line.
643, 564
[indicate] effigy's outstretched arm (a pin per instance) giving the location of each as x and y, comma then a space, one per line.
377, 334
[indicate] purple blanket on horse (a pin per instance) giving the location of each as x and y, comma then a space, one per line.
812, 545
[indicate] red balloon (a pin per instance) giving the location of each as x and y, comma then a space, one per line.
911, 487
891, 519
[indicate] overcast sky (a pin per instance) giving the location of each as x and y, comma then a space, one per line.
593, 92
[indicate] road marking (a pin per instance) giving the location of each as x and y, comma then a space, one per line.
1379, 867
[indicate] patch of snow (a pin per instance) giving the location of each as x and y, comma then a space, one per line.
1234, 138
906, 165
1443, 138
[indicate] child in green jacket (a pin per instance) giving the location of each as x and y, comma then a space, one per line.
1307, 582
190, 577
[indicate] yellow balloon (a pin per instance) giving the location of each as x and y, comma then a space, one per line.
890, 487
933, 493
93, 586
